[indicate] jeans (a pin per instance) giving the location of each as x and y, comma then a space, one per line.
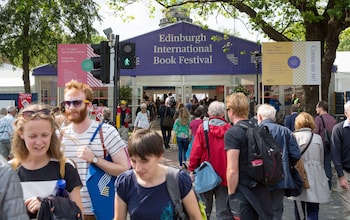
241, 208
277, 196
222, 210
182, 144
310, 210
328, 167
166, 133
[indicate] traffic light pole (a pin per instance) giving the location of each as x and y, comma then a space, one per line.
116, 89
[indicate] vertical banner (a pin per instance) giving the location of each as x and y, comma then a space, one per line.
74, 63
291, 63
24, 99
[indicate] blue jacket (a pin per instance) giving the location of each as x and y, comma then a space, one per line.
290, 149
289, 121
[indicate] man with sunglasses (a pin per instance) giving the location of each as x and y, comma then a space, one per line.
79, 144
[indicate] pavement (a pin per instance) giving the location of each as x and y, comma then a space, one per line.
330, 210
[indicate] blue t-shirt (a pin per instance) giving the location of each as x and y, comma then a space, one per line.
149, 202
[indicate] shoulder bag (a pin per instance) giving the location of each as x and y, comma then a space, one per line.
300, 165
299, 175
326, 136
168, 122
206, 178
101, 185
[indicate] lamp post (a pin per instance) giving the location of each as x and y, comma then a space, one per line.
255, 58
115, 67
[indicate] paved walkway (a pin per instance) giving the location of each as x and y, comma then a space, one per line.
330, 210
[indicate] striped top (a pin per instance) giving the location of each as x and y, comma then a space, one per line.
71, 141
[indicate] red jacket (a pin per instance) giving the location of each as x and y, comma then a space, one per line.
199, 153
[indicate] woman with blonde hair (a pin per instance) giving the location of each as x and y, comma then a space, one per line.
182, 131
37, 151
313, 156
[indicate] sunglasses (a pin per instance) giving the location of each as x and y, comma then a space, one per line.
30, 114
76, 103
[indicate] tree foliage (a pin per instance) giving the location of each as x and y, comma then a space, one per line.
284, 20
32, 29
344, 38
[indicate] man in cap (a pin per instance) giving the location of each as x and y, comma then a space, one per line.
124, 116
6, 131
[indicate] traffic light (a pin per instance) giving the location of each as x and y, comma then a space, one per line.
127, 55
101, 69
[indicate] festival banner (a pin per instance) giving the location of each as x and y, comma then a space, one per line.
291, 63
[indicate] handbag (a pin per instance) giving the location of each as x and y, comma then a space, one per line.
101, 185
168, 122
206, 178
326, 136
300, 166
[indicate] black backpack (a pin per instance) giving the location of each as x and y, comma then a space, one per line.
264, 155
57, 207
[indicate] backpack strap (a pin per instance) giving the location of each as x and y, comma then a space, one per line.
206, 130
62, 167
172, 184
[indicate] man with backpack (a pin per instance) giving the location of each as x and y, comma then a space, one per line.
216, 155
290, 154
324, 124
247, 201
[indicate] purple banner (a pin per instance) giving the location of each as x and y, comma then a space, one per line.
187, 49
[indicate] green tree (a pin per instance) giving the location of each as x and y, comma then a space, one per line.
285, 20
32, 29
344, 38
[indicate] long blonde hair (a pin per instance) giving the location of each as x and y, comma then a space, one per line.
19, 148
184, 116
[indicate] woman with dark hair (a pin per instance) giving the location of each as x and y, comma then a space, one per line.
142, 191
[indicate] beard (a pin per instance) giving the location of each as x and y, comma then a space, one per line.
82, 115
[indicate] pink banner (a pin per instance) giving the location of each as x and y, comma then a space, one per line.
70, 59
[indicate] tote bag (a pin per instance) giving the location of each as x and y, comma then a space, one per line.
206, 178
101, 190
101, 185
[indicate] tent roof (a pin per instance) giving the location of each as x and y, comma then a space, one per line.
11, 76
45, 70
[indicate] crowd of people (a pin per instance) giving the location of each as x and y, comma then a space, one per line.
35, 139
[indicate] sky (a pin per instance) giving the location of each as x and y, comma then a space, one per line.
144, 24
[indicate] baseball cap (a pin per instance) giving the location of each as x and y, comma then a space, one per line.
10, 108
123, 102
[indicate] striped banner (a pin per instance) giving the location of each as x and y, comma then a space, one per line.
91, 80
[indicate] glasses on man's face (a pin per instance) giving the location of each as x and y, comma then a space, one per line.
75, 103
30, 114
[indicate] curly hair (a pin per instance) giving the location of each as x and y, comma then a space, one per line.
19, 148
73, 84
